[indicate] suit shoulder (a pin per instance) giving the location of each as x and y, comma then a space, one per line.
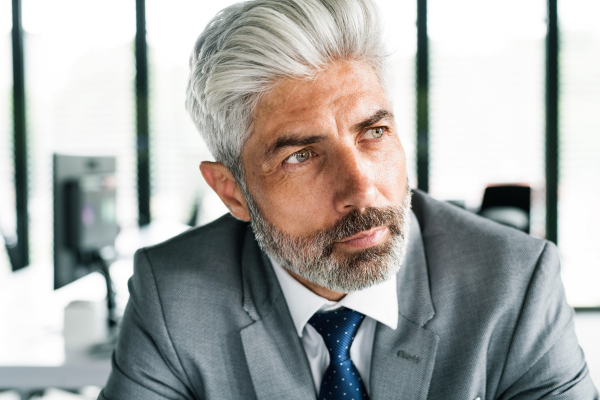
441, 218
477, 267
215, 246
484, 254
195, 281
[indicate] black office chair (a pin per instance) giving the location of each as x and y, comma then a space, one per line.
509, 205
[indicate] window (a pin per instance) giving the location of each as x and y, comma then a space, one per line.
400, 18
175, 144
7, 187
487, 63
80, 72
579, 183
487, 99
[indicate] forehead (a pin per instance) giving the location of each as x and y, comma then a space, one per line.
343, 93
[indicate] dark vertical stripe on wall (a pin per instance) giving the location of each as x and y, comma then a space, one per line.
20, 137
141, 94
552, 118
422, 97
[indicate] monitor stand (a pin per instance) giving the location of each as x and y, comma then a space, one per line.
104, 349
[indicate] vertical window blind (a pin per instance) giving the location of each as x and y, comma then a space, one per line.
579, 182
80, 79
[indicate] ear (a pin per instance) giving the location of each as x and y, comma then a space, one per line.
221, 180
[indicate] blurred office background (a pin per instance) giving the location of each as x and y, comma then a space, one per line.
486, 93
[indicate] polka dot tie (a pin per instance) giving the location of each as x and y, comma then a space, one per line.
341, 379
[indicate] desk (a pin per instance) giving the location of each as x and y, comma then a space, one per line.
32, 353
67, 376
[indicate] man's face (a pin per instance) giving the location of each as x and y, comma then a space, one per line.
326, 174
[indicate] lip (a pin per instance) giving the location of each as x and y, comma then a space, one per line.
365, 239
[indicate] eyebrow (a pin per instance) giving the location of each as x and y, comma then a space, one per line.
294, 140
291, 140
379, 115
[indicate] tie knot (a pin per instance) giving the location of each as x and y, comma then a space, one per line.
338, 329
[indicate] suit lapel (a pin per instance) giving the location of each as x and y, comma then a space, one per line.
274, 353
403, 359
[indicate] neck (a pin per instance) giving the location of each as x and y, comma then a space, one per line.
329, 294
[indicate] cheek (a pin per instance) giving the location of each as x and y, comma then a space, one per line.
390, 175
297, 207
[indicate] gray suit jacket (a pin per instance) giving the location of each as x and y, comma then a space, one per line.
482, 313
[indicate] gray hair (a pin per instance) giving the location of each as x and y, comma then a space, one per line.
248, 47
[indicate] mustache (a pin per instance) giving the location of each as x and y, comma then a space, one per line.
356, 221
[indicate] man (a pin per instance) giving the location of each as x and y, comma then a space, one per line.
325, 282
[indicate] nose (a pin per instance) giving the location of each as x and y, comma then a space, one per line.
354, 184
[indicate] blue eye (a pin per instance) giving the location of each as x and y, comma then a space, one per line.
376, 132
298, 157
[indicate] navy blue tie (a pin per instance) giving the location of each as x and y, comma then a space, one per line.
341, 379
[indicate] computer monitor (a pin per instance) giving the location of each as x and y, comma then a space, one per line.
84, 214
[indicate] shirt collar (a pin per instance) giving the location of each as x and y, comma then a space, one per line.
379, 302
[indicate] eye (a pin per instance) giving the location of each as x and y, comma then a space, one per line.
376, 132
298, 157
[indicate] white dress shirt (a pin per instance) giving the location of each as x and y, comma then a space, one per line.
378, 303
